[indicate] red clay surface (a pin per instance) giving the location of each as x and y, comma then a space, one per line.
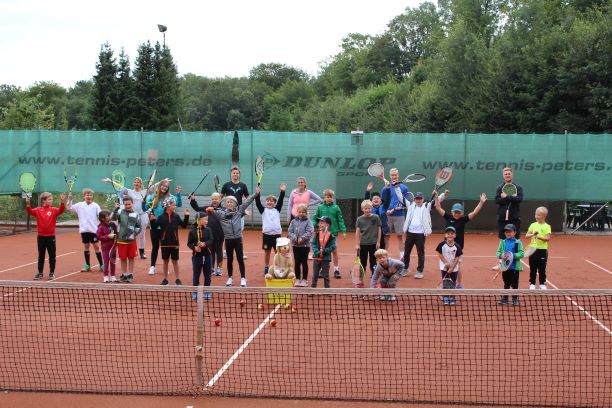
576, 262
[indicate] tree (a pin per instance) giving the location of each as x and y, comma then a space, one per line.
78, 106
28, 112
145, 97
104, 105
166, 89
275, 74
124, 94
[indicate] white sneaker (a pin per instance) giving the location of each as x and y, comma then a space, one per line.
401, 255
113, 279
243, 282
245, 257
418, 275
542, 287
106, 279
152, 270
229, 282
531, 287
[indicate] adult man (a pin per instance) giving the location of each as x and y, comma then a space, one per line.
396, 210
511, 203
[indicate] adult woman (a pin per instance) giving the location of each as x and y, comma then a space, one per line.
301, 195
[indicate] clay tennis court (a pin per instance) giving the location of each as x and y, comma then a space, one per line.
576, 262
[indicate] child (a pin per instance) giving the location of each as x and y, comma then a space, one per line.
231, 222
458, 220
154, 205
511, 276
300, 233
271, 225
540, 233
129, 227
323, 245
169, 223
378, 208
87, 211
106, 234
367, 233
449, 252
331, 210
46, 217
417, 226
387, 272
216, 250
200, 241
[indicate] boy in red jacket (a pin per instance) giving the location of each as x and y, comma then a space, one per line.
46, 217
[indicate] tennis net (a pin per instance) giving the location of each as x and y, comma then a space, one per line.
553, 349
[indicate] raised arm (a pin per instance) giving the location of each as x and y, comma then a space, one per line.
474, 213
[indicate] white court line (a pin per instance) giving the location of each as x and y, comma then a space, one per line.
594, 264
582, 309
241, 348
35, 262
59, 277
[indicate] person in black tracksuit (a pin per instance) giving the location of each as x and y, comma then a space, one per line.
200, 241
216, 249
510, 203
169, 223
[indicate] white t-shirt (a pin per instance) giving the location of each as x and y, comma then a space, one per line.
88, 215
449, 252
416, 223
270, 220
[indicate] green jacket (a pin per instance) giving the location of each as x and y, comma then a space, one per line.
333, 212
518, 252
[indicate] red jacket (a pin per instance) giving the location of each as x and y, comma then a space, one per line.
45, 218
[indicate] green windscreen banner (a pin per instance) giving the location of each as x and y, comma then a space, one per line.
554, 167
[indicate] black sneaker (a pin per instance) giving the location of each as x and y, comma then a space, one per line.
266, 269
129, 278
142, 254
123, 278
503, 301
51, 276
337, 274
38, 276
164, 282
178, 282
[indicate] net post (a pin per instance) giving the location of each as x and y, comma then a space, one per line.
199, 347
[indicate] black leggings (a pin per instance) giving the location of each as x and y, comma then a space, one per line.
231, 245
155, 238
216, 252
201, 264
367, 252
301, 262
46, 244
537, 265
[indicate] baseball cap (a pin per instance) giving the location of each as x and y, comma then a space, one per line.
326, 219
418, 194
450, 228
457, 207
509, 227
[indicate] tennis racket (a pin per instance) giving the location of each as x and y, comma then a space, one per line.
530, 250
321, 241
217, 183
259, 169
377, 170
70, 176
113, 251
150, 182
447, 281
510, 190
504, 263
414, 178
358, 273
201, 181
118, 182
443, 176
27, 182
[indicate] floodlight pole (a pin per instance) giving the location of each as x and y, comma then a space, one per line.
162, 29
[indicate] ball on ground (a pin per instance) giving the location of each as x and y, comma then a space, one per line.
217, 322
273, 322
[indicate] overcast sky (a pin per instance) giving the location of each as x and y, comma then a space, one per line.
59, 40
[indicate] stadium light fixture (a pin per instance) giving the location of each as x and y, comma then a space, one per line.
162, 29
